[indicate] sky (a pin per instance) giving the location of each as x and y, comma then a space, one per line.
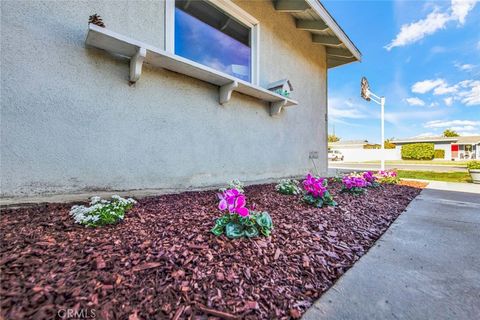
423, 56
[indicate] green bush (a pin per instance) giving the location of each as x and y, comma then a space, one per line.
473, 165
288, 186
235, 226
418, 151
439, 154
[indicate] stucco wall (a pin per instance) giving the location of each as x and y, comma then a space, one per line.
71, 122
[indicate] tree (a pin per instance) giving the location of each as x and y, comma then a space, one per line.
333, 138
389, 144
450, 133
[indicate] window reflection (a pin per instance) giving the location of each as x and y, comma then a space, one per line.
227, 51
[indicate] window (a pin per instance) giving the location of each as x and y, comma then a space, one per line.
209, 33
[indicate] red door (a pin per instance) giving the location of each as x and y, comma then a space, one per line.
454, 151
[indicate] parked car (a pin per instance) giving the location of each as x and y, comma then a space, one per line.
335, 155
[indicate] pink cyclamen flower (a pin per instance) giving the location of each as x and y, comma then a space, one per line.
234, 201
354, 182
387, 174
314, 186
369, 177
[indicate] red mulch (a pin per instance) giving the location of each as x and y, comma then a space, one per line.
162, 262
414, 184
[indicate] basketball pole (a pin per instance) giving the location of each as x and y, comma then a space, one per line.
381, 102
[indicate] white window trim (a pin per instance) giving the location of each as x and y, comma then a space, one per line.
231, 9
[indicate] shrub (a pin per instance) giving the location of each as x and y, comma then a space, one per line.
388, 177
316, 193
288, 186
439, 154
239, 221
473, 165
418, 151
234, 184
102, 212
354, 184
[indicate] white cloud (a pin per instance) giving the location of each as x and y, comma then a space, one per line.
415, 31
414, 101
426, 134
427, 85
450, 123
463, 128
448, 101
466, 91
339, 108
444, 89
436, 20
469, 133
465, 67
399, 118
471, 97
461, 8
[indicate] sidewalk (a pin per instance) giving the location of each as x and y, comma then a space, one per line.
426, 266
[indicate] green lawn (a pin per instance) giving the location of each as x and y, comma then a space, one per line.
439, 176
426, 162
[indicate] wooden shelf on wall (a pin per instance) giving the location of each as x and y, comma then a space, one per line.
140, 53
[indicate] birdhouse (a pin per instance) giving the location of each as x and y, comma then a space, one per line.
282, 87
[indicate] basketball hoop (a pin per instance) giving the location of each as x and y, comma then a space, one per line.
366, 94
365, 89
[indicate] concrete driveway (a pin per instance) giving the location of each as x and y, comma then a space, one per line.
372, 166
426, 266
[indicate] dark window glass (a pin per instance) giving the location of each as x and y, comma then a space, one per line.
208, 36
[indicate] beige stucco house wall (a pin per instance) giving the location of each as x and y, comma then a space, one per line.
70, 121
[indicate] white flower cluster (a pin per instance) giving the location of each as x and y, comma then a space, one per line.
101, 209
234, 184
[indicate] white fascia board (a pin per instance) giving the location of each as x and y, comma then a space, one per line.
336, 29
424, 140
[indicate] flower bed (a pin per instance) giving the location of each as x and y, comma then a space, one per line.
162, 261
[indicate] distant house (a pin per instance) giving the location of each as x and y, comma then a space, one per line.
172, 94
348, 144
456, 148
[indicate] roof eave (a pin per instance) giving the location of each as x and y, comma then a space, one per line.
336, 29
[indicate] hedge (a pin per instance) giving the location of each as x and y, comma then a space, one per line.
418, 151
439, 154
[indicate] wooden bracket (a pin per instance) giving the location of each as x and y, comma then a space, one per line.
136, 63
276, 107
226, 91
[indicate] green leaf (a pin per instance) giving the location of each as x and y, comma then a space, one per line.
266, 231
247, 221
251, 232
264, 220
217, 230
319, 203
234, 230
222, 221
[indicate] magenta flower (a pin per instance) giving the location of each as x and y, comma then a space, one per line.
314, 186
387, 174
369, 177
234, 201
354, 182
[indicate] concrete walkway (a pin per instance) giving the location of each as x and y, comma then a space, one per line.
426, 266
